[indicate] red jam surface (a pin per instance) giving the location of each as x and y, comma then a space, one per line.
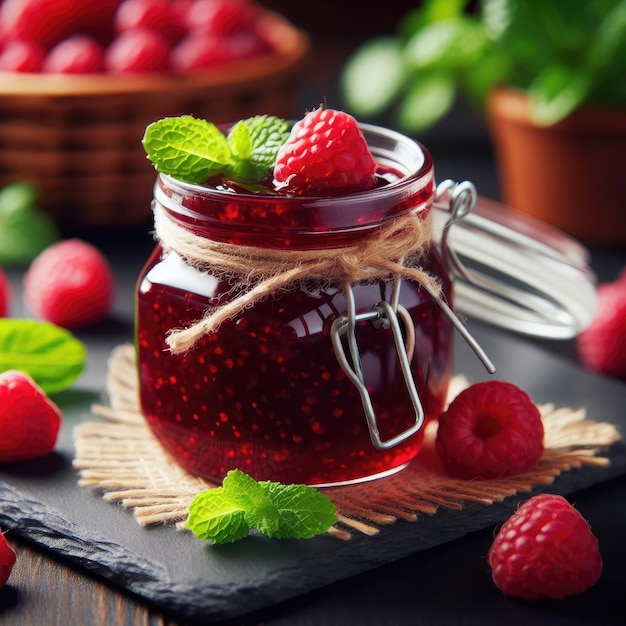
265, 393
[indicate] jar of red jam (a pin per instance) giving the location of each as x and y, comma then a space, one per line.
317, 382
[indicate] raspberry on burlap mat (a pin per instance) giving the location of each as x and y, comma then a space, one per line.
120, 456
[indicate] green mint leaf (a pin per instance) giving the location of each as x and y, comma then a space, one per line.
267, 134
240, 142
187, 148
51, 355
227, 513
214, 517
195, 150
25, 231
304, 511
245, 492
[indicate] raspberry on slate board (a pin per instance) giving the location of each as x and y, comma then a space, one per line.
545, 550
491, 429
29, 420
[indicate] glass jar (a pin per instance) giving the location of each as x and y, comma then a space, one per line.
278, 390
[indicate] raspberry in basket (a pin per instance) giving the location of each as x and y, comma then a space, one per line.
491, 429
545, 550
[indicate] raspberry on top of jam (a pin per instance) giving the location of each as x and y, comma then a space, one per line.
325, 153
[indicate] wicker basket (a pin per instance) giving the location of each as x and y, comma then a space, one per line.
78, 138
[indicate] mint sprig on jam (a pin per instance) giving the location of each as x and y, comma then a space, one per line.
195, 150
228, 513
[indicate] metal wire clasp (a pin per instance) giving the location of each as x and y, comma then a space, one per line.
386, 316
461, 199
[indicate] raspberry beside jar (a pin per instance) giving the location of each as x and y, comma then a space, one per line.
265, 393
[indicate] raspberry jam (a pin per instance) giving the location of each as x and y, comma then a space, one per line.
265, 393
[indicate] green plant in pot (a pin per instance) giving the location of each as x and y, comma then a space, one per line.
550, 76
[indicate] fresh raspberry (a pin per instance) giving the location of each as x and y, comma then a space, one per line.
5, 294
47, 22
29, 420
137, 51
491, 429
326, 152
545, 550
201, 51
198, 52
7, 560
602, 345
157, 15
69, 284
78, 54
222, 17
21, 56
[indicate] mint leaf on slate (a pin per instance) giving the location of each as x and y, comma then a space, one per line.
213, 516
194, 150
51, 355
227, 513
243, 490
304, 512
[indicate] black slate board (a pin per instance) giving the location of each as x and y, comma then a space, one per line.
179, 574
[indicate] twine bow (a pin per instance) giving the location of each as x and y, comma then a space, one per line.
392, 250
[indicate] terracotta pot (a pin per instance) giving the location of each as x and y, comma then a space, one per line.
571, 175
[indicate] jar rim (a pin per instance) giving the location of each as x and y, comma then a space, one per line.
384, 156
275, 219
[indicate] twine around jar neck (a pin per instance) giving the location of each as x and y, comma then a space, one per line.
393, 250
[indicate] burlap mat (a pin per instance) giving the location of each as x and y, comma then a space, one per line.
119, 456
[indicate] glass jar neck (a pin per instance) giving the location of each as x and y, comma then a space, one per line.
277, 221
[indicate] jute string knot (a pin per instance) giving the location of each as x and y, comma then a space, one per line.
393, 250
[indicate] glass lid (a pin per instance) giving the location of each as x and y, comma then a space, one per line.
511, 270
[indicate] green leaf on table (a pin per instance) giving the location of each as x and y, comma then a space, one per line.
214, 517
303, 512
427, 101
195, 150
25, 231
226, 514
51, 355
261, 512
374, 76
